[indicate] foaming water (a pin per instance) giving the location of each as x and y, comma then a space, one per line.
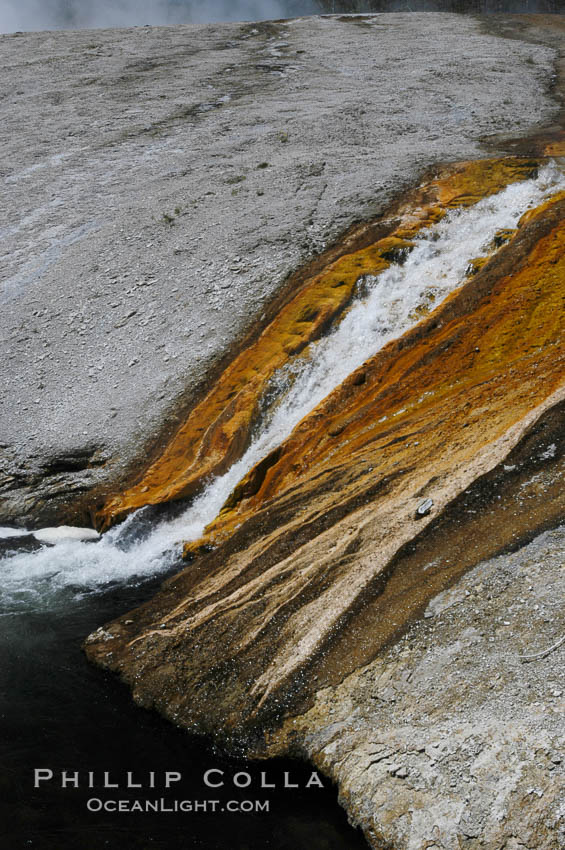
387, 305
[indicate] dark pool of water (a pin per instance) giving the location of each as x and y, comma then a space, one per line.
59, 713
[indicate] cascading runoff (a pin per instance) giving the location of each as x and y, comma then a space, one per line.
386, 307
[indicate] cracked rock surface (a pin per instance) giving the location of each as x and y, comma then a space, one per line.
160, 184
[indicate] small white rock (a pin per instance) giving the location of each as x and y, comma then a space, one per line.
65, 532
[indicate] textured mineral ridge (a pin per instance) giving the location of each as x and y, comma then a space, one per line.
450, 739
167, 186
160, 184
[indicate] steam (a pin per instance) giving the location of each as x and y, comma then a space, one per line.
26, 15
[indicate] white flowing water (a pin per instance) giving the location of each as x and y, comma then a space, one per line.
383, 311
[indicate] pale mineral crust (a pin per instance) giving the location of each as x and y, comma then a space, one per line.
450, 739
347, 604
160, 184
311, 571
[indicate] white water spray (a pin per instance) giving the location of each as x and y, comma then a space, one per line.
385, 310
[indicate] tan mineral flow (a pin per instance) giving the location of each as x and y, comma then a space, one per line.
309, 574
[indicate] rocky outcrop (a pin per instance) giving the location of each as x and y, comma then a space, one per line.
462, 416
218, 430
333, 616
452, 738
160, 187
284, 631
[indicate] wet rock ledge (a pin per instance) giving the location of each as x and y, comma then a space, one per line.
345, 604
443, 450
161, 186
452, 738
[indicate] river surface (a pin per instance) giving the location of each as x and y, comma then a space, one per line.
60, 714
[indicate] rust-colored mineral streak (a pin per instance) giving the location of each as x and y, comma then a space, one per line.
217, 430
320, 555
